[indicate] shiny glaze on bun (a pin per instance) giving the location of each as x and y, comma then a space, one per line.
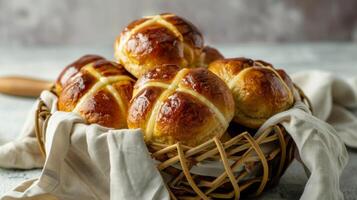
189, 105
99, 91
259, 90
157, 40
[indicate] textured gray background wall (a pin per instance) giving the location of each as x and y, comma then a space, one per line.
96, 22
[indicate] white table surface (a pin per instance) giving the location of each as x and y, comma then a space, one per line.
339, 58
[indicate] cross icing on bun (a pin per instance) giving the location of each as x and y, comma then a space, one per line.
259, 90
189, 105
157, 40
97, 89
72, 69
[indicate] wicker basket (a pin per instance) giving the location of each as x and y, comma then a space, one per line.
247, 168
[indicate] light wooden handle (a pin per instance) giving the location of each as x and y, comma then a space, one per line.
22, 86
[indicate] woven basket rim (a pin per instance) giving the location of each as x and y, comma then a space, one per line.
214, 147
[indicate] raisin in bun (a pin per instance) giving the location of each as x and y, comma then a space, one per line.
157, 40
189, 105
99, 90
259, 90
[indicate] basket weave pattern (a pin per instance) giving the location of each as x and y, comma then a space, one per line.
247, 167
241, 150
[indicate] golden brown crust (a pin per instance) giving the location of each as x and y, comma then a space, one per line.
125, 91
72, 69
162, 74
227, 68
157, 40
141, 106
262, 63
101, 66
102, 108
188, 105
259, 94
209, 55
192, 36
100, 92
182, 118
74, 91
259, 90
286, 78
154, 45
210, 86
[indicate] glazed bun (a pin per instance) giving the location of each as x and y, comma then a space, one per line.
189, 105
72, 69
259, 90
98, 90
157, 40
208, 55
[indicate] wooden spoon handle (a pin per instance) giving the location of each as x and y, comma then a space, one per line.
22, 86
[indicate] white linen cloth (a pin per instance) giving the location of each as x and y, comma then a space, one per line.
93, 162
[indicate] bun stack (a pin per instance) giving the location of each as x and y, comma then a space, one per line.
186, 91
